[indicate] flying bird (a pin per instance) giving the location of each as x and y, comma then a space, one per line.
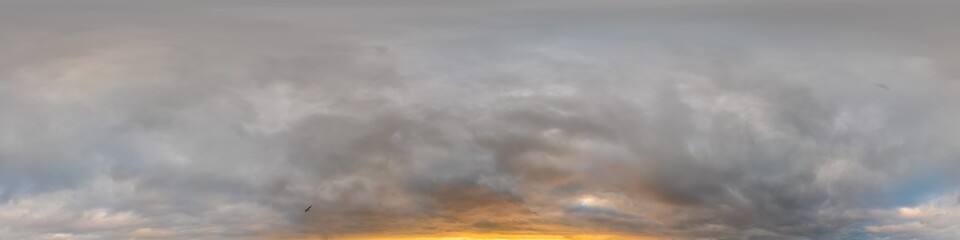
308, 208
881, 85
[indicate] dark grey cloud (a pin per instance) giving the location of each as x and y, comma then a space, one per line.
688, 120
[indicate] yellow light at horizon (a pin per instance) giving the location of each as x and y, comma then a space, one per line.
496, 236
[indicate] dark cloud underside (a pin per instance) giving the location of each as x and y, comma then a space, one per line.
665, 119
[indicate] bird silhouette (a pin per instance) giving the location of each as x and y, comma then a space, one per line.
881, 85
308, 208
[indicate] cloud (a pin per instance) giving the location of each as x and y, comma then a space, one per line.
686, 120
933, 219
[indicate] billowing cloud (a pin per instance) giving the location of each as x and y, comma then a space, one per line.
599, 120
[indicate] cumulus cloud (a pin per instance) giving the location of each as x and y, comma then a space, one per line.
686, 120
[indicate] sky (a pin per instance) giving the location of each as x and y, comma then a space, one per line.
422, 119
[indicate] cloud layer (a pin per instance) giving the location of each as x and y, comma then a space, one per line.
623, 120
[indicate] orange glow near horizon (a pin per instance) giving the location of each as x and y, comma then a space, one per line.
494, 236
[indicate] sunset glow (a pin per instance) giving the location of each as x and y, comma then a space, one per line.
479, 119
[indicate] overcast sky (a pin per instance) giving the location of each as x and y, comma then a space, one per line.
690, 119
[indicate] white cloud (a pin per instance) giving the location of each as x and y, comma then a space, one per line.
935, 218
